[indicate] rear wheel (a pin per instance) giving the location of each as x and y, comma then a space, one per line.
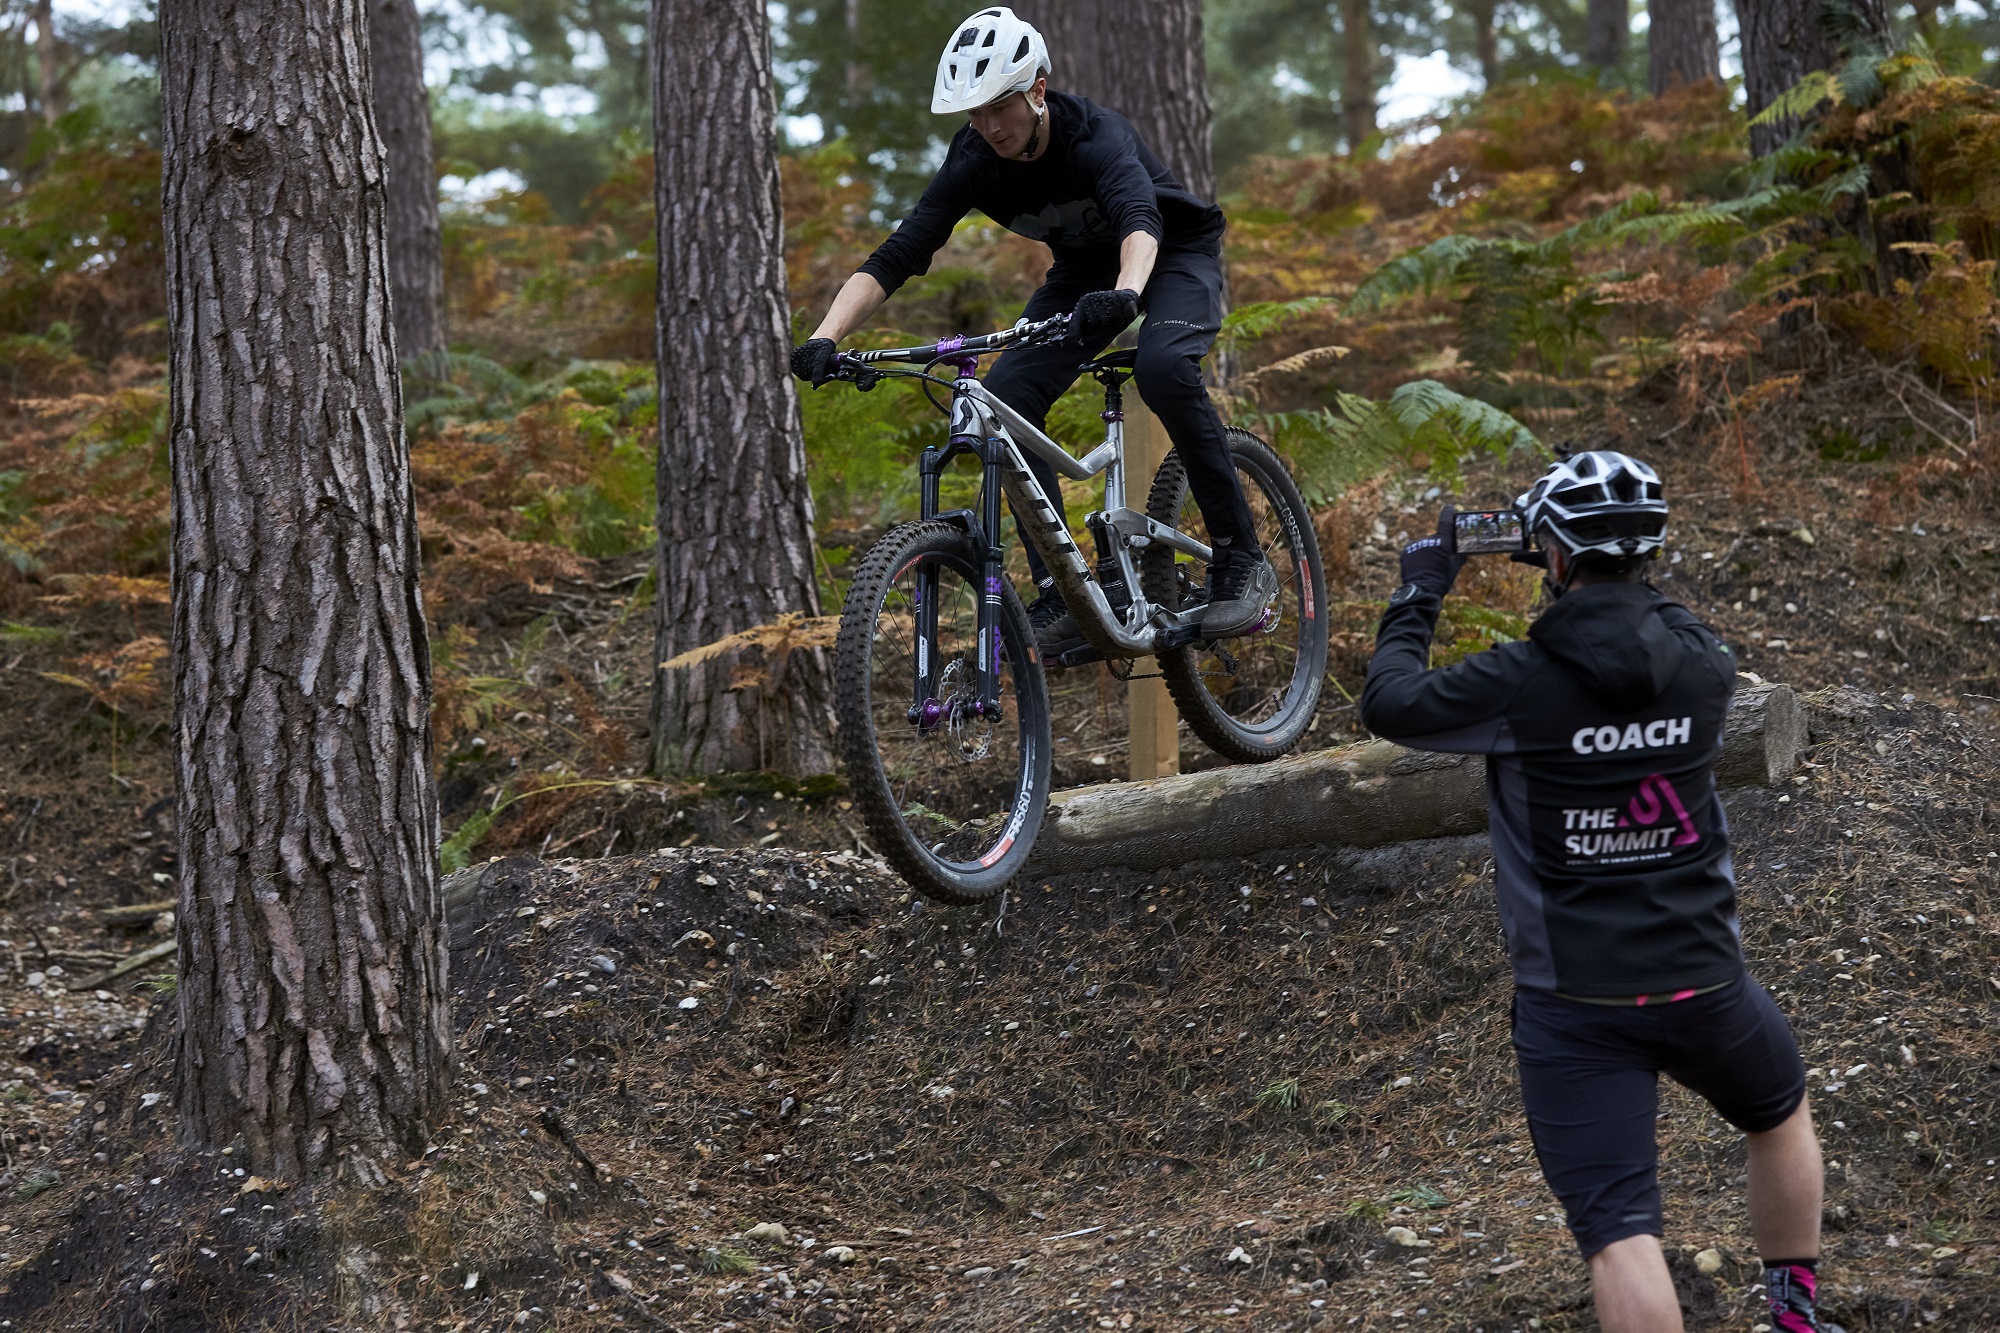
1249, 698
952, 796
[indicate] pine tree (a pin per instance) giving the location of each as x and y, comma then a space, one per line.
403, 116
1607, 32
314, 1018
1145, 59
1783, 41
1681, 44
735, 513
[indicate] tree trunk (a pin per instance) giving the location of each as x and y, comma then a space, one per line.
860, 79
1607, 31
314, 1016
1485, 42
1681, 45
735, 513
1362, 795
1146, 60
45, 61
403, 116
1357, 83
1783, 42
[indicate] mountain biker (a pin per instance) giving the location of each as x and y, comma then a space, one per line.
1126, 237
1617, 893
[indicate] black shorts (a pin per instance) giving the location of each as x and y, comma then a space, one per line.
1590, 1083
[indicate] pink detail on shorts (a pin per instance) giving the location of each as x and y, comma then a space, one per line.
1791, 1321
1642, 999
1656, 796
1680, 995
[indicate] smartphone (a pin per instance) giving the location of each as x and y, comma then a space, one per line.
1488, 532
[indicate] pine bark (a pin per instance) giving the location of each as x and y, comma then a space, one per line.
1682, 48
1485, 41
1607, 32
1146, 60
735, 512
1782, 42
403, 117
314, 1016
47, 82
1357, 84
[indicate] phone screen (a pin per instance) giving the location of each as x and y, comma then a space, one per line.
1488, 531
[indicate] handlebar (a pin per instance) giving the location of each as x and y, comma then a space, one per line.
1023, 334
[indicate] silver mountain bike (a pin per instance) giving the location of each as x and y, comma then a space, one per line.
940, 693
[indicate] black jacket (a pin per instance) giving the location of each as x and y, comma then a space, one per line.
1097, 184
1610, 847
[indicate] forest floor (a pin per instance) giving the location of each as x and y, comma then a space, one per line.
1190, 1100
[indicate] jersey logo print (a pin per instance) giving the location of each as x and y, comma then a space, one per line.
1661, 731
1635, 835
1079, 222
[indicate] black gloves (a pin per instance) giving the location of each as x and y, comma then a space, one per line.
1102, 315
1429, 562
813, 361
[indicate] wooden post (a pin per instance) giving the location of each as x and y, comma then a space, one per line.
1154, 725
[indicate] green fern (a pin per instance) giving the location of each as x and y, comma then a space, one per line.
1260, 319
1798, 101
1332, 449
1421, 272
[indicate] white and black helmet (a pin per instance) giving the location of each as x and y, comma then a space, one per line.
993, 53
1597, 503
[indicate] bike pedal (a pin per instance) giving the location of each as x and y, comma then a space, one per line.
1082, 655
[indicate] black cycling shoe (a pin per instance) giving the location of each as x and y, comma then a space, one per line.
1056, 630
1240, 590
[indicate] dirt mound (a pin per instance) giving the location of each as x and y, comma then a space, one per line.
1186, 1100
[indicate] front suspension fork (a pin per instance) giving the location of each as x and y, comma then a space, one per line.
927, 710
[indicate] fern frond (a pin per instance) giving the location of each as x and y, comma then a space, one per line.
1858, 82
1310, 359
1852, 181
1797, 101
787, 633
1420, 272
1425, 405
1260, 319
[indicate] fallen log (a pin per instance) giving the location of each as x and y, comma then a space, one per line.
1361, 795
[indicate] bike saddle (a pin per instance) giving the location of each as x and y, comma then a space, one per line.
1124, 359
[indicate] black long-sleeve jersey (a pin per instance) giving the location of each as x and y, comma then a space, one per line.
1601, 729
1096, 184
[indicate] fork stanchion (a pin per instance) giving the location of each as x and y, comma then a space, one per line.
1154, 725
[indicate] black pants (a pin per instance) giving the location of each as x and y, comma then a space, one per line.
1183, 310
1590, 1084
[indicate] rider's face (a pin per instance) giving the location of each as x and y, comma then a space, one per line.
1009, 123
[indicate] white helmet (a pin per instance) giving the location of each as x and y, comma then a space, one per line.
1600, 502
994, 53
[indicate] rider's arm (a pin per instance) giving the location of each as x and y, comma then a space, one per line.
860, 297
1123, 187
1460, 710
1136, 255
907, 253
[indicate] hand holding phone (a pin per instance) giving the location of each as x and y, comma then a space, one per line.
1488, 532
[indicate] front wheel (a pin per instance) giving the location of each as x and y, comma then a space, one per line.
1250, 698
952, 792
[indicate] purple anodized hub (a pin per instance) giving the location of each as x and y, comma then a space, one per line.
930, 714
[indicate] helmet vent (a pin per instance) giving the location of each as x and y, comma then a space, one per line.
1021, 51
991, 34
979, 70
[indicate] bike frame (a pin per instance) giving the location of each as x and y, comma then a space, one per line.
1001, 438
